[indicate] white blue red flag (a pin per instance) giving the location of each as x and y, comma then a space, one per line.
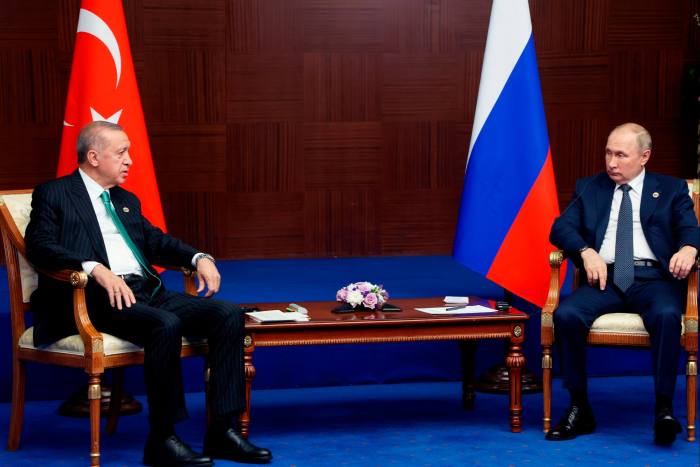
509, 200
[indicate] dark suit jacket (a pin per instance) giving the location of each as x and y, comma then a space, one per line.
63, 233
666, 214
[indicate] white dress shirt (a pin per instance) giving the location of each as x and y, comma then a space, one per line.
641, 247
120, 257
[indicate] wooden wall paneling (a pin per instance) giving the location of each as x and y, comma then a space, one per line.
579, 26
645, 23
264, 87
416, 87
348, 26
578, 85
189, 158
264, 26
578, 148
341, 87
196, 218
184, 86
267, 225
265, 157
184, 23
343, 155
418, 222
343, 222
29, 155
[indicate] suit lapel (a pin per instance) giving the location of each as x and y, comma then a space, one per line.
649, 201
83, 207
604, 196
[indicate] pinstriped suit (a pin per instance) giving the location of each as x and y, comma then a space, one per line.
63, 232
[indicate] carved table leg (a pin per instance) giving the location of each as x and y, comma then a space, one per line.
244, 419
515, 361
468, 351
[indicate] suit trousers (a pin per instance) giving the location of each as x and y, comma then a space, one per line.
655, 297
158, 323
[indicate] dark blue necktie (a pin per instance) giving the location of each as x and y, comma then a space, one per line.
104, 196
623, 269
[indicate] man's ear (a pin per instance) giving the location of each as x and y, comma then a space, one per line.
92, 158
646, 154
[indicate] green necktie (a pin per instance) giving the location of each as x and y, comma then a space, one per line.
104, 196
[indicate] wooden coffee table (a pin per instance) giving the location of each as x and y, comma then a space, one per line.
326, 327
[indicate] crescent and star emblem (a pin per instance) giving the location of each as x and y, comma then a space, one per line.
90, 23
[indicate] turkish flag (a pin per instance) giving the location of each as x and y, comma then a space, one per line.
103, 87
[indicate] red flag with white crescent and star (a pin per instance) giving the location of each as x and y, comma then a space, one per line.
103, 87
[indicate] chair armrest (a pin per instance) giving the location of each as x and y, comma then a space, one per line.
556, 258
188, 277
92, 339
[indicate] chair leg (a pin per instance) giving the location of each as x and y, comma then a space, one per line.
691, 392
547, 387
94, 396
17, 416
115, 400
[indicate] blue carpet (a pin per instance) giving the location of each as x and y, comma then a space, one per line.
409, 424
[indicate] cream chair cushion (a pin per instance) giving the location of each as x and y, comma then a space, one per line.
73, 345
622, 323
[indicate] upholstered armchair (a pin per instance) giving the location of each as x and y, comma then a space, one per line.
624, 329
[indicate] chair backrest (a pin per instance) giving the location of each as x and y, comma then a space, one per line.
15, 207
694, 188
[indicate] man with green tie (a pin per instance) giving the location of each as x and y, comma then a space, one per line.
86, 221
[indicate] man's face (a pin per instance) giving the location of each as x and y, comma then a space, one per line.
624, 159
111, 159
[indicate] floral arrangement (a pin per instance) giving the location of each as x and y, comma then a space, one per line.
363, 294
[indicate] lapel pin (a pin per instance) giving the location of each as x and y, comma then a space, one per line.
655, 194
125, 209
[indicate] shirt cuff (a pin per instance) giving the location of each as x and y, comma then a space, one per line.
196, 257
88, 266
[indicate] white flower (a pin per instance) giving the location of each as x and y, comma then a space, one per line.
354, 298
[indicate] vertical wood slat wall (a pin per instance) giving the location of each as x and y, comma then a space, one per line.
295, 128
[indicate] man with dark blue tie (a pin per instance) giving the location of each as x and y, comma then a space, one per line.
85, 221
636, 236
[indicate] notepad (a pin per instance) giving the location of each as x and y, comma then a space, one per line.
456, 299
277, 316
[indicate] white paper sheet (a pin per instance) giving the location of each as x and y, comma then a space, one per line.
445, 310
277, 316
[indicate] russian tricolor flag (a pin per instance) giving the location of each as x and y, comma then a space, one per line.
509, 200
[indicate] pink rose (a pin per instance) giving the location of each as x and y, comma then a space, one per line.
364, 287
342, 294
371, 300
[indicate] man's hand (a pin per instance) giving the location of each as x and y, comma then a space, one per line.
682, 262
207, 276
596, 269
119, 293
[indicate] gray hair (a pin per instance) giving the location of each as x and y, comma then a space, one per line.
643, 136
90, 138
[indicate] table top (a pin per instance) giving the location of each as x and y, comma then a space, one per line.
320, 315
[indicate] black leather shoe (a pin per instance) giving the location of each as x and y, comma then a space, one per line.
666, 427
232, 446
172, 452
576, 421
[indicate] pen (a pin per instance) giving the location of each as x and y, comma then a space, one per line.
453, 308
